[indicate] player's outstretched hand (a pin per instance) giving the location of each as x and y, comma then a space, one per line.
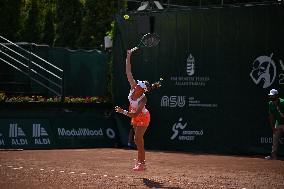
118, 109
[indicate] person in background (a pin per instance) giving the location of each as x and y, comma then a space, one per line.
276, 120
140, 116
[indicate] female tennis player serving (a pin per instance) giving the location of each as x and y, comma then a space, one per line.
140, 116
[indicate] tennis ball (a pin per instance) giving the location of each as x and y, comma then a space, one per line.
126, 16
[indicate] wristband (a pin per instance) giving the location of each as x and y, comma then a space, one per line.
125, 112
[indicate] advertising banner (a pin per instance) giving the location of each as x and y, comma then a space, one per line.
49, 129
218, 65
26, 133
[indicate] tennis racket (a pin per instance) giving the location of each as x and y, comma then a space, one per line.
148, 40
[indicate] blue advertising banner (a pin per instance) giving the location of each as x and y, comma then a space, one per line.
21, 133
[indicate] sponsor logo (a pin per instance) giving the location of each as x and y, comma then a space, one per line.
173, 101
39, 131
190, 79
40, 135
2, 143
269, 140
183, 101
264, 71
80, 132
181, 134
17, 135
110, 133
86, 132
16, 131
190, 68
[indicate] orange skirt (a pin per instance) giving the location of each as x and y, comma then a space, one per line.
143, 119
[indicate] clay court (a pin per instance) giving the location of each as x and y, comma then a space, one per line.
112, 168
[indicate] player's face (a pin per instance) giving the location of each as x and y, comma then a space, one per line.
274, 98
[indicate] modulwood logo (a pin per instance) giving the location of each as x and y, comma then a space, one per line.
79, 132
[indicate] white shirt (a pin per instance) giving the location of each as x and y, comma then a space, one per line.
134, 103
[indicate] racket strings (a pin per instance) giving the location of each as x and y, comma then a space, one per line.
150, 41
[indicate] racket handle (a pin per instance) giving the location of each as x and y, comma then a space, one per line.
133, 49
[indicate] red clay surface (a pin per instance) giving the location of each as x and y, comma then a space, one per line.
112, 168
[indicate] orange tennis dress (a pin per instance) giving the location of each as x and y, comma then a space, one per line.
143, 119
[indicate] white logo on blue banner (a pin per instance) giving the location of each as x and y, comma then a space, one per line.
110, 133
17, 135
190, 79
176, 127
16, 131
38, 130
2, 142
181, 134
40, 134
190, 65
265, 71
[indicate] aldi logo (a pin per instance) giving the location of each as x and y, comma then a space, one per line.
17, 135
2, 143
16, 131
40, 135
39, 131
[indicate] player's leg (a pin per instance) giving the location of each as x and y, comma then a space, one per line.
139, 141
276, 137
131, 138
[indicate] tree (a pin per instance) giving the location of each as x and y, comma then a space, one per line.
34, 23
11, 18
97, 21
69, 15
49, 28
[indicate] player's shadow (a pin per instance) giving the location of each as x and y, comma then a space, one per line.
152, 184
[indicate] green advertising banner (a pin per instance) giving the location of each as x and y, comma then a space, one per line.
22, 133
81, 132
51, 127
218, 65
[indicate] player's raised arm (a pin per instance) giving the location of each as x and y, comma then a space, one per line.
128, 70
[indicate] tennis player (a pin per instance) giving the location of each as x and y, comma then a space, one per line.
140, 116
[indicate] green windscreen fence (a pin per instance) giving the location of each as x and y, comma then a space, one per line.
85, 71
218, 65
